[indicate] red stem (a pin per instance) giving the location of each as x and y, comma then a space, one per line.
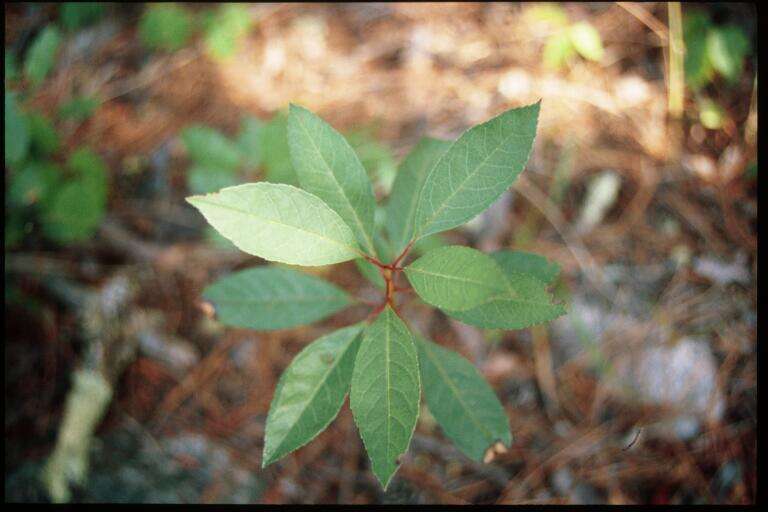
389, 272
403, 254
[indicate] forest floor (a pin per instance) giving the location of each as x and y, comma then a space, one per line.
645, 392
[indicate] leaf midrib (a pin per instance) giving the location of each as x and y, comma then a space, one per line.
455, 390
461, 185
302, 300
201, 199
389, 398
314, 393
451, 277
514, 295
358, 221
410, 219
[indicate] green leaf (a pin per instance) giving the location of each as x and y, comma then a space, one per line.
711, 114
527, 263
45, 139
72, 215
11, 71
385, 392
401, 207
428, 243
279, 223
16, 131
225, 29
249, 141
455, 277
310, 392
215, 238
586, 40
549, 14
79, 108
76, 209
203, 179
475, 170
525, 303
558, 49
461, 400
88, 167
371, 271
210, 148
75, 15
269, 298
33, 183
165, 26
726, 48
275, 152
14, 233
751, 171
42, 55
698, 69
327, 166
377, 158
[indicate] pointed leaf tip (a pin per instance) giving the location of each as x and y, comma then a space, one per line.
385, 393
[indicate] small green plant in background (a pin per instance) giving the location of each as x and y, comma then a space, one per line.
78, 109
165, 27
170, 26
276, 156
712, 51
331, 217
68, 201
375, 156
64, 194
215, 158
223, 28
41, 56
218, 162
76, 15
566, 39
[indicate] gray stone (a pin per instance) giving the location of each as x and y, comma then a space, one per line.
723, 273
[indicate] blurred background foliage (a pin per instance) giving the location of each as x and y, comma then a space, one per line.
114, 113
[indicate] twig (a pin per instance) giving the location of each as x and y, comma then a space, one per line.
204, 370
118, 237
108, 332
403, 254
676, 86
153, 73
544, 369
646, 18
583, 257
634, 440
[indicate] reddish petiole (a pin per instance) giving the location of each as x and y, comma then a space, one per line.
389, 273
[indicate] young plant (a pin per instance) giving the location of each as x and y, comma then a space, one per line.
381, 362
566, 39
165, 27
66, 201
170, 26
63, 194
712, 51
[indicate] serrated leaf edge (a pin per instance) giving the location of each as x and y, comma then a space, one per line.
266, 461
428, 351
422, 231
418, 409
202, 198
368, 236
